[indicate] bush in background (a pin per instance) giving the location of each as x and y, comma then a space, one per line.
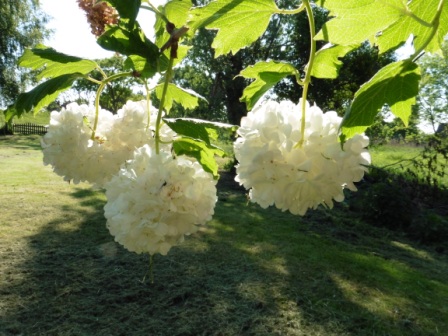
412, 200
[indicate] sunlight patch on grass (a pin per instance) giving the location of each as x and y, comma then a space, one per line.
268, 257
253, 290
255, 249
217, 225
277, 265
415, 252
371, 298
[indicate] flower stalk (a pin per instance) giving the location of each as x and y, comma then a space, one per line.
148, 104
168, 75
307, 80
292, 11
103, 84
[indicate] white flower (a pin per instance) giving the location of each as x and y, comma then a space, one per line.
68, 146
294, 178
132, 124
155, 200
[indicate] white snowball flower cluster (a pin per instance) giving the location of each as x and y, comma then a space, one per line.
131, 126
294, 178
155, 200
68, 146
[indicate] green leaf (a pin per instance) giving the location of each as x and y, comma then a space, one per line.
439, 39
139, 64
134, 42
387, 23
55, 63
239, 22
176, 11
128, 10
208, 124
199, 129
187, 98
399, 32
395, 85
188, 129
327, 63
9, 113
356, 21
200, 151
43, 94
266, 75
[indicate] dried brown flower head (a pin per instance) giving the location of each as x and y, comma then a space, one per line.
99, 14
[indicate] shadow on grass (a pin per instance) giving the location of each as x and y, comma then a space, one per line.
250, 272
21, 141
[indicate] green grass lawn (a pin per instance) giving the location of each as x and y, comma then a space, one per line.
248, 272
399, 158
41, 118
387, 155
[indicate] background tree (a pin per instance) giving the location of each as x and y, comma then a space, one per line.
335, 94
22, 25
116, 92
433, 96
215, 79
286, 39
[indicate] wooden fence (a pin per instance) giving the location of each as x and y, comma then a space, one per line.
29, 128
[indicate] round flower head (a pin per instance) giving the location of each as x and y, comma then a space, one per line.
68, 146
132, 124
155, 200
291, 177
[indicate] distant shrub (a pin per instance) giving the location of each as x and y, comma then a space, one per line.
4, 130
413, 201
431, 167
429, 226
384, 201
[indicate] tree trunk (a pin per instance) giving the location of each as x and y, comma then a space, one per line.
234, 87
